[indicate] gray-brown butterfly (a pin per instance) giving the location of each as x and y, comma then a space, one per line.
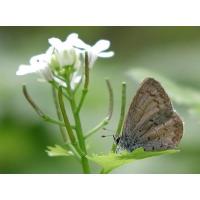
151, 122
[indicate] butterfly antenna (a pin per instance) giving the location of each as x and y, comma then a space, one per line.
105, 129
103, 136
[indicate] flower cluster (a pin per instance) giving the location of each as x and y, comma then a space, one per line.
63, 60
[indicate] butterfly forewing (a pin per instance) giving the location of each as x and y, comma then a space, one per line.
151, 121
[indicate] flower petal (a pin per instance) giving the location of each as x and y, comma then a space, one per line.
101, 45
55, 42
59, 81
25, 69
106, 54
49, 53
71, 38
38, 59
74, 41
92, 58
46, 73
80, 44
75, 80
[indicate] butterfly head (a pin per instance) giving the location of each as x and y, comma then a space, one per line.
116, 139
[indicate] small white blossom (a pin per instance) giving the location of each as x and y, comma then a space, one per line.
38, 64
95, 51
60, 82
75, 80
64, 52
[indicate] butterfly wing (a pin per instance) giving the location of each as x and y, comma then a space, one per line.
163, 136
151, 103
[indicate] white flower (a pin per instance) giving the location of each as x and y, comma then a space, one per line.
65, 53
95, 51
75, 80
60, 82
62, 54
41, 64
38, 64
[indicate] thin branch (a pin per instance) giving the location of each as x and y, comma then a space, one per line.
123, 106
98, 127
74, 151
86, 83
65, 117
110, 107
122, 114
109, 115
79, 131
56, 86
38, 110
59, 114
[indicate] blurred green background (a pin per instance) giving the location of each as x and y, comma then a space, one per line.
171, 54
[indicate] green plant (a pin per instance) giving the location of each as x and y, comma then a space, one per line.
66, 66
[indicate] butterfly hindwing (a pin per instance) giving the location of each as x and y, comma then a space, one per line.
164, 136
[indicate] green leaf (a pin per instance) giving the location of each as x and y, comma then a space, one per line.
180, 94
58, 151
113, 160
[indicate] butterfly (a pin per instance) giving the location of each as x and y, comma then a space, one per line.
151, 122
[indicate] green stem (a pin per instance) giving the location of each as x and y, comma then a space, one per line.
48, 119
86, 83
78, 128
65, 117
67, 124
38, 110
110, 107
122, 114
57, 87
76, 110
96, 128
74, 150
59, 114
85, 163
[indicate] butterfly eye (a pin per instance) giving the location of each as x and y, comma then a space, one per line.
117, 140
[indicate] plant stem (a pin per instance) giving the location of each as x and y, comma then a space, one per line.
38, 110
74, 151
59, 114
123, 106
85, 163
122, 114
67, 124
56, 87
76, 110
86, 83
98, 127
78, 128
65, 117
